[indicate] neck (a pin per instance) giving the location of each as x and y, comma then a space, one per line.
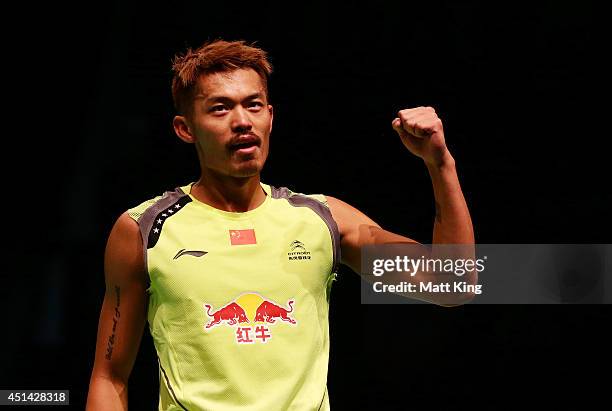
235, 194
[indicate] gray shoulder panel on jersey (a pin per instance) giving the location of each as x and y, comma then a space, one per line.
300, 200
151, 222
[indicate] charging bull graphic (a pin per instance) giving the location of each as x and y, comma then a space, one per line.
269, 312
232, 313
250, 314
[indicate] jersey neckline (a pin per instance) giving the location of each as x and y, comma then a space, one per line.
233, 215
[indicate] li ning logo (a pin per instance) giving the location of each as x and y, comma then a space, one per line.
297, 251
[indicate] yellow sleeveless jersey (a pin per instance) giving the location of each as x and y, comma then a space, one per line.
238, 302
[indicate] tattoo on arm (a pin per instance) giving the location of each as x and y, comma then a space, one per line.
111, 339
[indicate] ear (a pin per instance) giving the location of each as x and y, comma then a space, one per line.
182, 129
270, 109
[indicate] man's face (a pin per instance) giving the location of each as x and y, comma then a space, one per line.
231, 122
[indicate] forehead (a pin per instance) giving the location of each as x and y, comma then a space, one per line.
233, 84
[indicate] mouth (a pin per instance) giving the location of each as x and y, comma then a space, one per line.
245, 144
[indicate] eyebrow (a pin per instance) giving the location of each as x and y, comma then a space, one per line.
215, 99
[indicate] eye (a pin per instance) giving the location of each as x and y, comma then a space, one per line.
255, 105
218, 108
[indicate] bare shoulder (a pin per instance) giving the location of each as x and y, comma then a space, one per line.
124, 257
357, 229
348, 218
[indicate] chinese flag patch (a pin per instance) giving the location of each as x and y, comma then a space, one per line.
239, 237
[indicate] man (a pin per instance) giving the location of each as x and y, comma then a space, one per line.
233, 275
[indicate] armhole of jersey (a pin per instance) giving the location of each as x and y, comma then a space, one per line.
154, 212
318, 204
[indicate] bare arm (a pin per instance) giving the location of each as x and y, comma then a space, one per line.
453, 224
421, 132
122, 318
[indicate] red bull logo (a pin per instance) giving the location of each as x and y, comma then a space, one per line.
269, 312
251, 314
231, 313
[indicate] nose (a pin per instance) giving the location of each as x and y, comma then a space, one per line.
241, 121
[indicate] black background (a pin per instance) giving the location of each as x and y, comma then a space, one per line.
88, 134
